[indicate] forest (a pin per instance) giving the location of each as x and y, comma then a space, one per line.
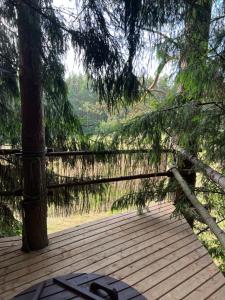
144, 120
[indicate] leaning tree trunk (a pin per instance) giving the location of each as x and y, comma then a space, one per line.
212, 174
203, 213
34, 205
193, 55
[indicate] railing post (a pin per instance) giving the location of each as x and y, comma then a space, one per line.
219, 233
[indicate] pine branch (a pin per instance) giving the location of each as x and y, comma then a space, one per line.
217, 18
215, 176
197, 104
203, 190
207, 228
162, 35
219, 233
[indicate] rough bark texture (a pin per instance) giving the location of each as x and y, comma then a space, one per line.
212, 174
190, 178
219, 233
33, 139
194, 53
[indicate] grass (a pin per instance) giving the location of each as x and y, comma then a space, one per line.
214, 248
60, 223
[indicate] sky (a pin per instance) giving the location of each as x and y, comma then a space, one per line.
72, 66
149, 66
70, 63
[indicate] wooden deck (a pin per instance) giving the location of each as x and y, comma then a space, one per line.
157, 255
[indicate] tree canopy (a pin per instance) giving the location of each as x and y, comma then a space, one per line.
115, 40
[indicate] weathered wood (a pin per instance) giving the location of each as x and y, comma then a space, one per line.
144, 251
219, 295
79, 253
107, 180
212, 174
101, 152
206, 289
50, 152
68, 236
219, 233
173, 276
189, 280
34, 208
207, 228
80, 240
19, 192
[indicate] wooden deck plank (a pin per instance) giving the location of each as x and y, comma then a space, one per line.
114, 236
10, 243
108, 220
153, 262
218, 295
208, 288
91, 224
188, 280
11, 238
87, 236
130, 263
68, 239
158, 256
88, 255
148, 278
128, 258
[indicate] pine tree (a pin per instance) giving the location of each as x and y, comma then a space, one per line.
112, 66
34, 205
38, 58
193, 52
197, 50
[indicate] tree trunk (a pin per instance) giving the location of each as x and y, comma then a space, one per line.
192, 56
212, 174
219, 233
34, 205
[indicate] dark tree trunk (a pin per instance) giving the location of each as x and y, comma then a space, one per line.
33, 139
193, 56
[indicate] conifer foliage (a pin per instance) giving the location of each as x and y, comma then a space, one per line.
114, 40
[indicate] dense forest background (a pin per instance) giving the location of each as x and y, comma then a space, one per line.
82, 111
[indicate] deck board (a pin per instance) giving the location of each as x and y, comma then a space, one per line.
157, 255
218, 295
206, 289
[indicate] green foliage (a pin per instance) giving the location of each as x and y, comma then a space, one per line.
85, 103
9, 93
150, 190
9, 226
63, 130
215, 249
114, 39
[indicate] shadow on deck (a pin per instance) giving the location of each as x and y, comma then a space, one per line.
158, 256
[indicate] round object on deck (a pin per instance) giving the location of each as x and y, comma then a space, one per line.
81, 286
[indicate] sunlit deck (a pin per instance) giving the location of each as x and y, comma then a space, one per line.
157, 255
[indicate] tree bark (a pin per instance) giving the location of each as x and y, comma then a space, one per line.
192, 56
34, 205
219, 233
212, 174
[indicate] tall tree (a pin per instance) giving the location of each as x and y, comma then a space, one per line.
193, 52
32, 31
112, 37
197, 50
34, 205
